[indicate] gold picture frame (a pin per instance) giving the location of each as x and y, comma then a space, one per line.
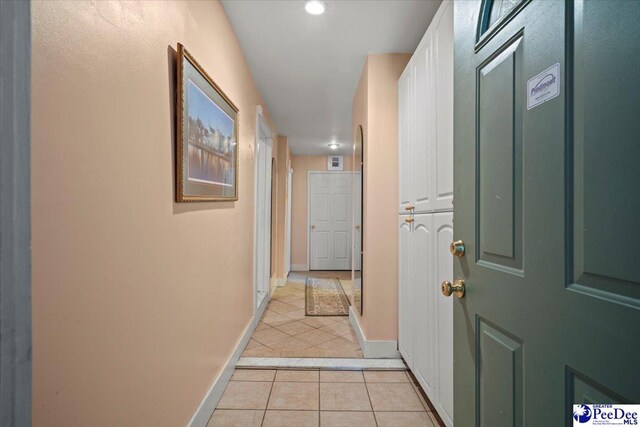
207, 136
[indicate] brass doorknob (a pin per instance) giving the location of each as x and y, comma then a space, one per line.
408, 208
457, 288
457, 248
409, 220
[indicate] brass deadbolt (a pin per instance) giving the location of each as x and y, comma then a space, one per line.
457, 248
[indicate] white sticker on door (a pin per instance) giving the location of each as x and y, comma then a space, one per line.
543, 87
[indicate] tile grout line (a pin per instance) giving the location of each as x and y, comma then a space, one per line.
264, 414
366, 387
319, 401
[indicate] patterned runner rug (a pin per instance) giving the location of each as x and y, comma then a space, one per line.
325, 297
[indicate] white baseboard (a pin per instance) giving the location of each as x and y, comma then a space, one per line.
281, 281
373, 349
201, 416
299, 267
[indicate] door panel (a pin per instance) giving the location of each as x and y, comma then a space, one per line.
405, 110
546, 198
442, 84
424, 303
606, 134
341, 245
443, 270
500, 377
500, 156
421, 131
405, 292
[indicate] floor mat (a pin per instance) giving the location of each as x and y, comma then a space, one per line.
325, 297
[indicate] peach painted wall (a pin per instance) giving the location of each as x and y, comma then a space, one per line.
138, 302
301, 166
377, 99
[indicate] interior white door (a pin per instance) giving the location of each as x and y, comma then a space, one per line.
443, 322
330, 220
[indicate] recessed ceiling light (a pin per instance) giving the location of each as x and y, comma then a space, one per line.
334, 146
314, 7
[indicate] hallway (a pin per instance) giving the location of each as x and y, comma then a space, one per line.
322, 398
241, 213
316, 397
285, 330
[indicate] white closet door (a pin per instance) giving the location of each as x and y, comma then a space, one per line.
442, 101
443, 261
405, 88
330, 220
424, 303
421, 142
405, 292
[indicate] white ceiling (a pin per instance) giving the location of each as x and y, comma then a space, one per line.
307, 67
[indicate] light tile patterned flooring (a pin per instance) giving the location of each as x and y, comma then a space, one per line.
322, 398
285, 330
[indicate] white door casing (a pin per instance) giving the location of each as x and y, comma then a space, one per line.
262, 218
287, 236
329, 220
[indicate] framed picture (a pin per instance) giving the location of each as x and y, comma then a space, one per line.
207, 136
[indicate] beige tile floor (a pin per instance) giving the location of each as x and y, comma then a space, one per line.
322, 398
285, 330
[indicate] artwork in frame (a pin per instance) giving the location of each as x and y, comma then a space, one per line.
207, 136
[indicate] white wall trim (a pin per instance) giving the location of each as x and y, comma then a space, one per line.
201, 416
299, 267
373, 349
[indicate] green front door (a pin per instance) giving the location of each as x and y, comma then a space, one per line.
547, 202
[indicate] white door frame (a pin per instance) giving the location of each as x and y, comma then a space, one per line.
261, 126
287, 236
309, 209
